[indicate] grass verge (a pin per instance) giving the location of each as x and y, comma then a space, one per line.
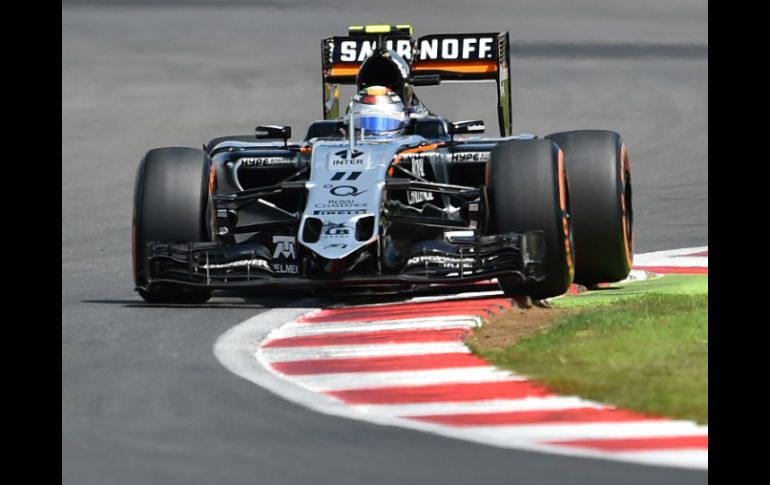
641, 346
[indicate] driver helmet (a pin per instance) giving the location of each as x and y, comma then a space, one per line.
378, 111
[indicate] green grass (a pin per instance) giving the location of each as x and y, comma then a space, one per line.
667, 285
642, 346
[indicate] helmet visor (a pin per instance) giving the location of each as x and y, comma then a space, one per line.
377, 123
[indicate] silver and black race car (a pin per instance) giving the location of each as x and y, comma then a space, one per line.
387, 195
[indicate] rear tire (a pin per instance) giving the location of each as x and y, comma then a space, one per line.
529, 191
170, 202
602, 212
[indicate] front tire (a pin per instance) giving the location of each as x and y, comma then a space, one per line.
529, 191
170, 202
602, 213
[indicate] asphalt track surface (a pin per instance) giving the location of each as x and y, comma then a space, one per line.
143, 398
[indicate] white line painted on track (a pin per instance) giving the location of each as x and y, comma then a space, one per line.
663, 261
566, 431
290, 354
358, 380
691, 458
671, 253
306, 329
675, 257
496, 406
458, 296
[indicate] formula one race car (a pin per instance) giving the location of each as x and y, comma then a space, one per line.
388, 195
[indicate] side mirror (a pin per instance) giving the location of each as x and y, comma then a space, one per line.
425, 80
273, 131
466, 126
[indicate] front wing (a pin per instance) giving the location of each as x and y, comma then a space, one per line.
471, 258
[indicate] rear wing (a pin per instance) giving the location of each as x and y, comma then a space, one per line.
453, 57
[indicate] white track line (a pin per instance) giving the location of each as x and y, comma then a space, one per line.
675, 257
291, 354
565, 431
671, 252
306, 329
480, 407
358, 380
458, 296
695, 458
695, 262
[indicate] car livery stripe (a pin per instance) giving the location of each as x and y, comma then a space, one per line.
467, 67
344, 70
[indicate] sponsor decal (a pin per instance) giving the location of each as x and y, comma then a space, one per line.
283, 268
255, 263
344, 190
358, 50
467, 47
353, 153
284, 247
350, 175
264, 161
337, 230
418, 167
435, 48
470, 157
347, 158
339, 212
340, 204
424, 156
417, 197
346, 162
418, 170
449, 262
336, 245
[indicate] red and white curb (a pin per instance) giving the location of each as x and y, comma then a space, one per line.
675, 261
405, 364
